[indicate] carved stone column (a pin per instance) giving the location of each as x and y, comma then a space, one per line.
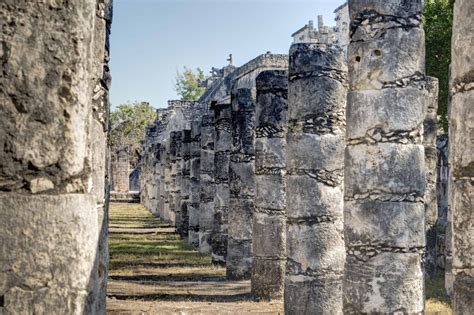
461, 157
195, 188
269, 221
384, 212
207, 170
222, 145
315, 165
242, 185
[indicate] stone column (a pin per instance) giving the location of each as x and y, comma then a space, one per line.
207, 169
317, 93
53, 197
99, 150
186, 156
269, 221
222, 146
178, 184
384, 176
430, 127
242, 185
121, 170
163, 203
461, 157
195, 188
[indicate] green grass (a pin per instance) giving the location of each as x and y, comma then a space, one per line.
128, 250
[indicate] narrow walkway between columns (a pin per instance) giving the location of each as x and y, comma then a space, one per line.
154, 271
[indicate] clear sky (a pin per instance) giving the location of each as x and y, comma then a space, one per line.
152, 39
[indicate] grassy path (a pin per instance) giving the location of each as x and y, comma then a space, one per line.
153, 271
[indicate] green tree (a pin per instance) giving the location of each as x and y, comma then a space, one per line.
127, 127
187, 84
438, 23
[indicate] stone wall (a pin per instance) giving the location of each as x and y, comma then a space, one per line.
54, 166
121, 170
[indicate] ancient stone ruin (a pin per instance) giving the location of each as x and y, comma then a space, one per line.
319, 176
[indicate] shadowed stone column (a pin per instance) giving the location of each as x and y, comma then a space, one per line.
178, 184
195, 188
100, 153
54, 158
163, 204
269, 221
384, 213
207, 169
223, 142
430, 127
121, 170
315, 164
242, 185
185, 182
461, 157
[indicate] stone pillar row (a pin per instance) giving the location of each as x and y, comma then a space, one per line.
320, 184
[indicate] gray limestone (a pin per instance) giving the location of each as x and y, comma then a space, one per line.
269, 221
430, 130
461, 159
384, 175
207, 183
222, 146
241, 185
195, 188
121, 170
315, 165
54, 173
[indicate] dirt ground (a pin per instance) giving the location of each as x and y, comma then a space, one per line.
153, 271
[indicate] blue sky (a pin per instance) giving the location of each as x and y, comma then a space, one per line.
151, 39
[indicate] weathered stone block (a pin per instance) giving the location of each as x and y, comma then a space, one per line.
315, 247
309, 295
270, 153
382, 169
375, 62
270, 192
307, 197
53, 240
462, 206
461, 150
239, 259
268, 277
386, 283
303, 147
462, 66
315, 97
380, 114
306, 58
269, 231
222, 195
242, 179
391, 224
241, 218
222, 164
389, 7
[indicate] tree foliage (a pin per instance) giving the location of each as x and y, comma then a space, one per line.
187, 84
127, 127
438, 23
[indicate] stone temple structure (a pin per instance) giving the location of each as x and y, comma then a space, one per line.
313, 174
